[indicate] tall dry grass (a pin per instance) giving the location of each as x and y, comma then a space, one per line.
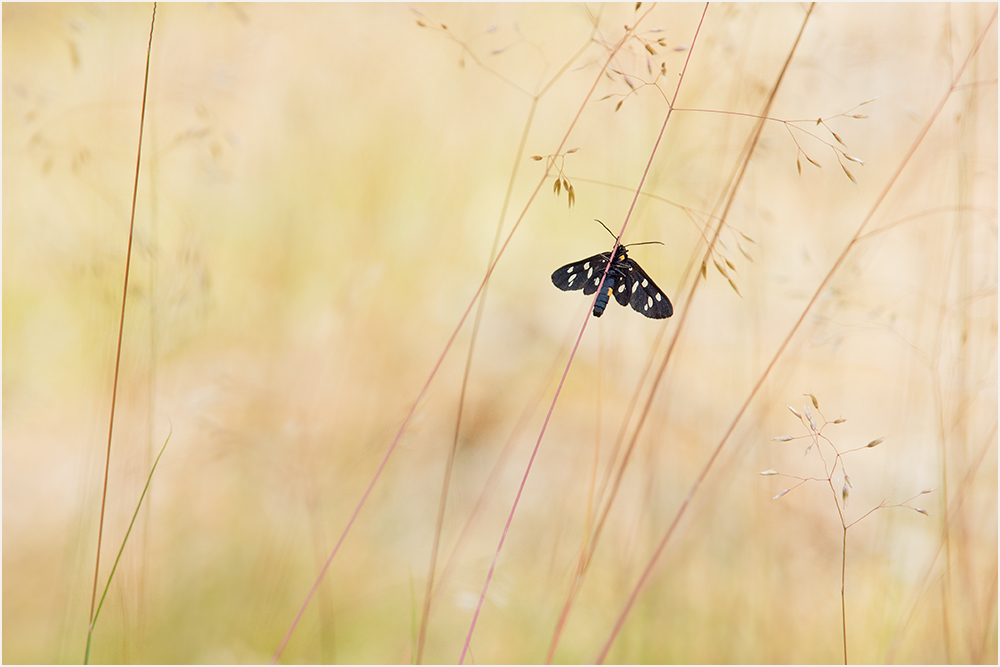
319, 196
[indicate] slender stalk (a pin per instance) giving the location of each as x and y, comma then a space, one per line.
520, 490
121, 329
427, 383
795, 327
628, 33
588, 553
475, 334
446, 482
731, 190
121, 549
843, 554
843, 590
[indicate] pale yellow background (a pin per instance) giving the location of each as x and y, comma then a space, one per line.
319, 192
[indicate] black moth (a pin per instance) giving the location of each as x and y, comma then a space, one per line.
626, 281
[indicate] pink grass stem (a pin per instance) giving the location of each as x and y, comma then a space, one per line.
829, 276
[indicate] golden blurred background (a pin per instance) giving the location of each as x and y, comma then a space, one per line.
319, 193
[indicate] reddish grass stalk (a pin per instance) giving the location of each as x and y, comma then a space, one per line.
520, 490
777, 355
449, 464
489, 576
376, 476
121, 330
735, 182
585, 556
446, 483
444, 353
494, 477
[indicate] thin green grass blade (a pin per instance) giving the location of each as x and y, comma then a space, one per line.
90, 630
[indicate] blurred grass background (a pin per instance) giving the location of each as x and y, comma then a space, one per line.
319, 192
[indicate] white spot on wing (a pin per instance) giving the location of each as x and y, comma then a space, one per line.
659, 297
645, 283
621, 288
589, 273
635, 286
571, 279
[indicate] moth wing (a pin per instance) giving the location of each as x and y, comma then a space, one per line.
645, 296
584, 274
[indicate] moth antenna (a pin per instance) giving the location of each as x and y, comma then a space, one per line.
630, 244
609, 231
